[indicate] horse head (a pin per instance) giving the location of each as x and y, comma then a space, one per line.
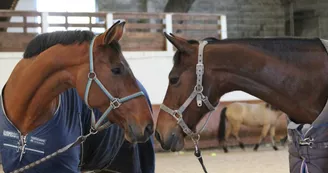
182, 102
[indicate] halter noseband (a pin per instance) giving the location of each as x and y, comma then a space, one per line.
114, 102
200, 98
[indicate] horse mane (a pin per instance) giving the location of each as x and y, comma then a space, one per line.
44, 41
287, 49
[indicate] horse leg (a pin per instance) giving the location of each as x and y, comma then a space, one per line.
235, 131
264, 133
272, 135
283, 140
226, 137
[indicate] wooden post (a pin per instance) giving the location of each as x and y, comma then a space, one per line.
168, 29
90, 23
25, 23
223, 23
44, 22
109, 20
66, 21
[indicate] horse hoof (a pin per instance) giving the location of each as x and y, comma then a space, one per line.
275, 148
241, 145
225, 150
256, 147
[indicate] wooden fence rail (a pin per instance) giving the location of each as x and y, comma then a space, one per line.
144, 31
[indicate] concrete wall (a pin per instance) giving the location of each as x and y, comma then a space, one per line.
245, 18
316, 26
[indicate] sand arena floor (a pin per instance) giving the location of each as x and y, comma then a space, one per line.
236, 161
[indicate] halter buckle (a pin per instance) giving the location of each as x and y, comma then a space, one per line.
175, 113
92, 75
200, 69
115, 103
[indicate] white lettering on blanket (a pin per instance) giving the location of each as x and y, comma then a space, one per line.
10, 134
37, 140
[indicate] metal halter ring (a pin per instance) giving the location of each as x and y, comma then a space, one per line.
93, 131
92, 75
199, 88
196, 141
115, 103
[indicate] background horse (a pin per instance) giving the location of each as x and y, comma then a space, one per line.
43, 111
252, 115
288, 73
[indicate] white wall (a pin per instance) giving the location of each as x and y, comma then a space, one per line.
151, 68
7, 64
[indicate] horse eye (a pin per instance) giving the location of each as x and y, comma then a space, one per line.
174, 80
116, 71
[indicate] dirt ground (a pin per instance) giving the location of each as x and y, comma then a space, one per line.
236, 161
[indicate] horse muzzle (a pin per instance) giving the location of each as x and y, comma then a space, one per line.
174, 140
135, 134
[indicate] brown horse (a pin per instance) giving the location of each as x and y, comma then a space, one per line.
57, 72
288, 73
252, 115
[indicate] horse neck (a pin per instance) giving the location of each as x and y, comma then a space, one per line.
36, 83
297, 88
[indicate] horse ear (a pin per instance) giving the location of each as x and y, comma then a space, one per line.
115, 32
180, 43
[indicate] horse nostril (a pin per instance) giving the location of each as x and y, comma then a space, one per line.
157, 136
149, 130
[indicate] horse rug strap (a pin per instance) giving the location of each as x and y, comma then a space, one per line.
308, 145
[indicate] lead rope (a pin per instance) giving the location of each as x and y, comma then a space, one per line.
197, 152
78, 141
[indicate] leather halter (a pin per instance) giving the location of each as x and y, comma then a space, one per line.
200, 98
95, 126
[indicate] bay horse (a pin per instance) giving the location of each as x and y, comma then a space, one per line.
288, 73
71, 85
252, 115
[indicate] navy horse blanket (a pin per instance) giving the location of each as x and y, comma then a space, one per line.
106, 150
308, 143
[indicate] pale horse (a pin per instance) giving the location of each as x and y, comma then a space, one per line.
253, 115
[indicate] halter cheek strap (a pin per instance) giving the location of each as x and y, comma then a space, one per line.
200, 99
